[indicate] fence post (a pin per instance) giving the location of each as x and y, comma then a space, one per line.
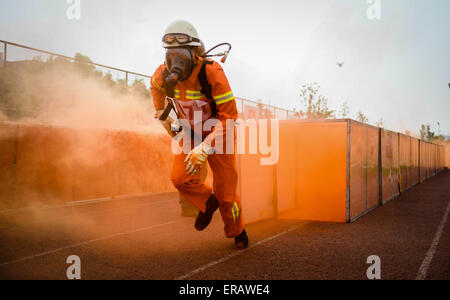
126, 79
5, 51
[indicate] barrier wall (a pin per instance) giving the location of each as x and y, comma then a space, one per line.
403, 158
44, 167
339, 170
447, 154
358, 169
96, 169
257, 186
409, 161
308, 182
428, 167
334, 170
321, 171
389, 162
423, 160
442, 157
364, 179
47, 165
286, 169
413, 175
7, 163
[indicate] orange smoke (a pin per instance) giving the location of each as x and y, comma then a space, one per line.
74, 135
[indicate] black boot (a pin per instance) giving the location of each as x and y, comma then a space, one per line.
203, 219
241, 241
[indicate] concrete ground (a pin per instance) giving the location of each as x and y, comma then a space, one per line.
146, 238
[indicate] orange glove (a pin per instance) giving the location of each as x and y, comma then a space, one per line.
197, 158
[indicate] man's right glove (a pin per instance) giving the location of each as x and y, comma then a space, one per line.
197, 158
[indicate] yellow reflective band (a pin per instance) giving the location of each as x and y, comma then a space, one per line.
219, 97
194, 97
155, 84
224, 101
193, 93
235, 211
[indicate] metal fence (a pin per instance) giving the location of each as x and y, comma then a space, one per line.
12, 53
27, 52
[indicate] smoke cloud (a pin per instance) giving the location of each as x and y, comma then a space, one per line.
71, 133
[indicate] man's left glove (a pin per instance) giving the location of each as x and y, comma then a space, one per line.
197, 157
166, 124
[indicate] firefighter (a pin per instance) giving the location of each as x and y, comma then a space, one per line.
183, 77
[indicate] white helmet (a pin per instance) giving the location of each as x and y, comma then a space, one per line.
180, 33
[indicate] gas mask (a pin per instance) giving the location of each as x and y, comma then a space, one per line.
180, 63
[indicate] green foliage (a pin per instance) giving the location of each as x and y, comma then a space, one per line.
380, 123
20, 100
315, 105
139, 87
344, 111
361, 117
84, 63
428, 135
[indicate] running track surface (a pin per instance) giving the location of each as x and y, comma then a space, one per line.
146, 238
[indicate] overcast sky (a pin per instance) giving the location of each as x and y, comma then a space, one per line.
396, 67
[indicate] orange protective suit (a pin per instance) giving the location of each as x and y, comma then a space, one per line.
223, 166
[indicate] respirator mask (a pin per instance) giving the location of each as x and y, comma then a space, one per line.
180, 63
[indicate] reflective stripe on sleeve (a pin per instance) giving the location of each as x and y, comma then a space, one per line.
156, 85
220, 99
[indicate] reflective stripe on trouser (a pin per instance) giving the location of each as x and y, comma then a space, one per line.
224, 170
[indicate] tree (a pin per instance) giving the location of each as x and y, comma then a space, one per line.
139, 87
84, 63
361, 117
380, 123
315, 104
425, 132
429, 136
297, 114
21, 99
264, 112
344, 111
